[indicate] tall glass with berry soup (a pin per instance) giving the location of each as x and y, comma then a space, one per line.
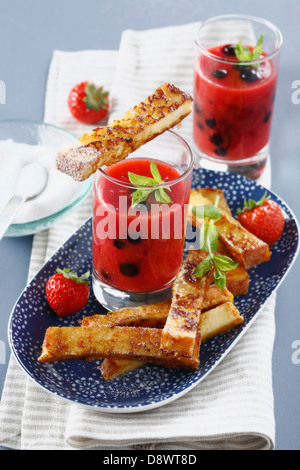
235, 75
139, 221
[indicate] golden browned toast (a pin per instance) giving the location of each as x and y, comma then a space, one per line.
111, 368
188, 292
211, 196
196, 199
149, 316
62, 343
237, 280
219, 320
212, 323
204, 196
215, 296
243, 246
154, 315
166, 108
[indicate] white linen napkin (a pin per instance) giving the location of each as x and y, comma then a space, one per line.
233, 407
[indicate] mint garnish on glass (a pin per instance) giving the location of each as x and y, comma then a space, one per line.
244, 54
209, 241
141, 193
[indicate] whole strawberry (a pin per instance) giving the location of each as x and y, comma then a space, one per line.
88, 103
263, 218
66, 292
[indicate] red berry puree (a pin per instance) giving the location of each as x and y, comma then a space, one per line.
233, 105
143, 248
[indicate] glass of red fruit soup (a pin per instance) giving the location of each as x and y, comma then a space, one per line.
235, 75
139, 220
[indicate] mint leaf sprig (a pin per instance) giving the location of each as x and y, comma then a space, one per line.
244, 54
209, 241
141, 194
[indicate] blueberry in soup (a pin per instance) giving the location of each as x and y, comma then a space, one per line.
119, 244
217, 140
250, 75
229, 49
211, 123
220, 73
129, 269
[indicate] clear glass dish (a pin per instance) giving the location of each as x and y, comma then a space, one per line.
39, 133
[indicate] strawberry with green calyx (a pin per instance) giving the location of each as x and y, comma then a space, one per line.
263, 218
88, 103
66, 292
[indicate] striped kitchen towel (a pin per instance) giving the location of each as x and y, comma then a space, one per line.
233, 407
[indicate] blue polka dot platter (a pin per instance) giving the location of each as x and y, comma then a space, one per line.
149, 386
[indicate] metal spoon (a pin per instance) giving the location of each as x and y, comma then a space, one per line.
31, 181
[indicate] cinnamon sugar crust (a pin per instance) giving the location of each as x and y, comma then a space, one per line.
104, 146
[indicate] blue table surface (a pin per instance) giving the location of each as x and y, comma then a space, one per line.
31, 30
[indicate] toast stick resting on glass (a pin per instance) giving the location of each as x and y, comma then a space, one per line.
164, 109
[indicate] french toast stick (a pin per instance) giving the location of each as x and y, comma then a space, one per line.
164, 109
206, 196
237, 280
196, 199
112, 368
188, 292
213, 322
243, 246
154, 315
69, 342
219, 320
148, 316
209, 195
215, 296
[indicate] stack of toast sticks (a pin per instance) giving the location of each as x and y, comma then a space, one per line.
168, 333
